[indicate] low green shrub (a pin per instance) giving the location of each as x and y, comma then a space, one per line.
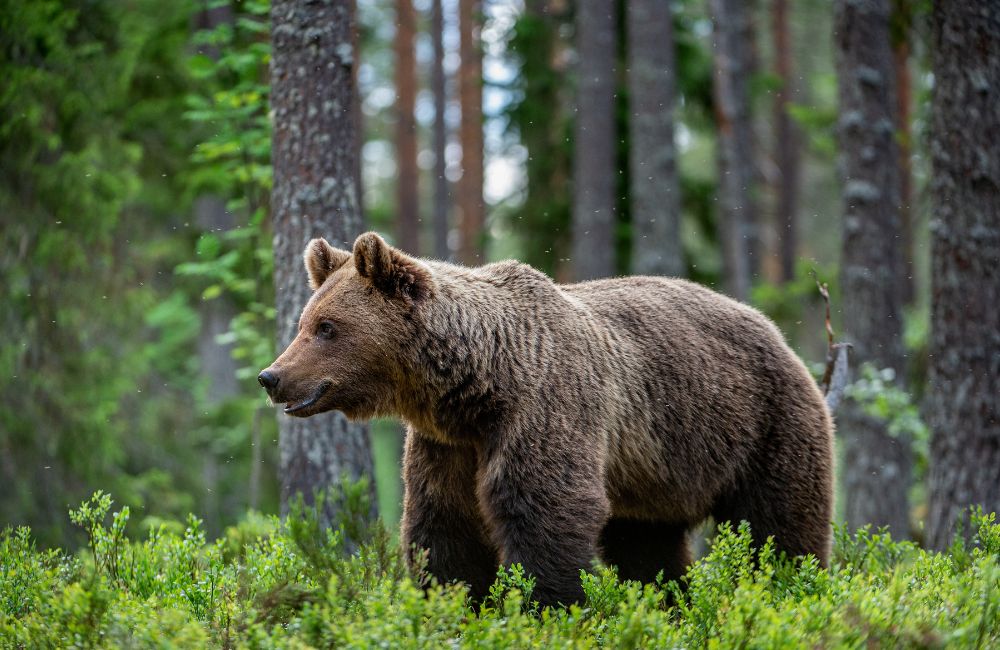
288, 583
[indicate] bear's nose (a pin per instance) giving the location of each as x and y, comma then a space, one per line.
268, 380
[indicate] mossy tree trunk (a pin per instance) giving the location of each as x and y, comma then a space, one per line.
964, 392
656, 206
877, 465
315, 194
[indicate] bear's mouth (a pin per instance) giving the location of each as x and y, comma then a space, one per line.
317, 394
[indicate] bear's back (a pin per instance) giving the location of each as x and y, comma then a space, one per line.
695, 371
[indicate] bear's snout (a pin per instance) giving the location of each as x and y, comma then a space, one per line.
268, 380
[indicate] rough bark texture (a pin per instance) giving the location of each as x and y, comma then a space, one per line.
470, 186
964, 392
594, 174
407, 198
877, 465
315, 193
440, 141
786, 142
733, 52
656, 209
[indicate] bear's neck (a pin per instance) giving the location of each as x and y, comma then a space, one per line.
462, 371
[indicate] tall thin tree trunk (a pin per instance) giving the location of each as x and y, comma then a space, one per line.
440, 142
594, 174
217, 363
470, 186
901, 20
786, 142
965, 270
656, 206
877, 465
315, 193
407, 198
733, 52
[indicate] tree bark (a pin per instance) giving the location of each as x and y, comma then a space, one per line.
217, 363
440, 143
594, 173
964, 391
407, 197
656, 206
786, 136
470, 186
733, 52
901, 19
315, 193
877, 465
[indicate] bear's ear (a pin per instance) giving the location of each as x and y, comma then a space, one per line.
391, 271
322, 259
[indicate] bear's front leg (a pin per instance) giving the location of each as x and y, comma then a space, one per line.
441, 514
545, 506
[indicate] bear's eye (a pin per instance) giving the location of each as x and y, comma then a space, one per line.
325, 329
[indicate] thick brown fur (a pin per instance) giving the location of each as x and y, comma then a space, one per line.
555, 424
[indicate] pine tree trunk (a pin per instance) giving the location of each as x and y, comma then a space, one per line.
786, 135
901, 25
877, 465
964, 391
734, 53
407, 198
217, 363
594, 173
656, 206
470, 186
315, 193
440, 137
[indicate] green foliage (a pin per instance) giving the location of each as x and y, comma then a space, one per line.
790, 303
880, 396
273, 583
88, 208
234, 161
110, 127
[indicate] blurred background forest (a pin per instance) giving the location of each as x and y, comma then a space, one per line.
148, 234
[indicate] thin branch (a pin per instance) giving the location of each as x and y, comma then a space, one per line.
837, 373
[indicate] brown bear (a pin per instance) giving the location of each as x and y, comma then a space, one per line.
552, 425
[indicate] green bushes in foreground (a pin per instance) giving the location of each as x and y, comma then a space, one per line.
269, 583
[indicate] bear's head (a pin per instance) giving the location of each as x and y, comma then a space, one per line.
353, 334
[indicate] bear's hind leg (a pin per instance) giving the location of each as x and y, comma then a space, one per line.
642, 549
788, 495
441, 514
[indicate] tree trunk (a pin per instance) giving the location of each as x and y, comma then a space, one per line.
594, 173
877, 465
733, 52
656, 206
440, 142
965, 269
786, 136
315, 193
470, 186
217, 363
901, 20
407, 198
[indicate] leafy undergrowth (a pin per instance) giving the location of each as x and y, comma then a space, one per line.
269, 583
